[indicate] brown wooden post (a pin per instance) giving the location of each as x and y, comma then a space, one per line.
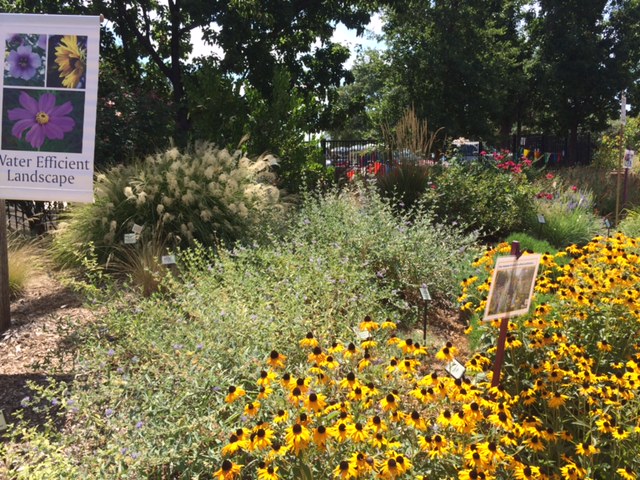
5, 304
504, 328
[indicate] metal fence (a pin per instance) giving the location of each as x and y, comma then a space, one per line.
33, 217
555, 147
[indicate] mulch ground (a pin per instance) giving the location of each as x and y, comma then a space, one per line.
35, 346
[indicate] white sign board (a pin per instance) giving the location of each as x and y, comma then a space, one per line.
49, 93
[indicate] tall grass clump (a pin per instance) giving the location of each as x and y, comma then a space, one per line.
24, 257
568, 213
203, 194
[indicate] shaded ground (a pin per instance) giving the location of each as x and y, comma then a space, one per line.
35, 345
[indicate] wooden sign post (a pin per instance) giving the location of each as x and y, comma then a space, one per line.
510, 295
5, 303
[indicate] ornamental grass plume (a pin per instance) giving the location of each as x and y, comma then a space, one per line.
202, 194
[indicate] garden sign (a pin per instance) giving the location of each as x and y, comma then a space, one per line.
48, 99
49, 91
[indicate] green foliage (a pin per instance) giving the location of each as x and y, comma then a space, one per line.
568, 213
608, 155
200, 194
630, 225
133, 121
152, 375
483, 199
531, 243
603, 185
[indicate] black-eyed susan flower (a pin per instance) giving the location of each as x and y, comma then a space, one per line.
234, 393
340, 431
261, 439
626, 473
316, 402
276, 359
268, 472
586, 449
416, 421
571, 471
526, 472
297, 438
388, 325
357, 432
251, 409
330, 362
235, 444
264, 392
362, 463
320, 436
309, 341
349, 382
388, 469
281, 416
389, 402
345, 470
368, 324
266, 378
317, 355
227, 471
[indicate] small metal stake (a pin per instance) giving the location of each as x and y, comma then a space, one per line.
426, 297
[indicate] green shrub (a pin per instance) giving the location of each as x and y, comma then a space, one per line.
403, 250
203, 194
568, 213
482, 199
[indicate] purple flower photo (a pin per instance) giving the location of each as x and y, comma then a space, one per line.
23, 63
42, 120
25, 60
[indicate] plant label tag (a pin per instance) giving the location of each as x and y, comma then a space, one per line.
424, 292
130, 238
628, 158
362, 334
455, 369
137, 229
3, 422
168, 259
541, 218
607, 223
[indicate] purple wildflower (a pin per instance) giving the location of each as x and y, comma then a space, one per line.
23, 63
108, 412
140, 424
111, 352
42, 118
